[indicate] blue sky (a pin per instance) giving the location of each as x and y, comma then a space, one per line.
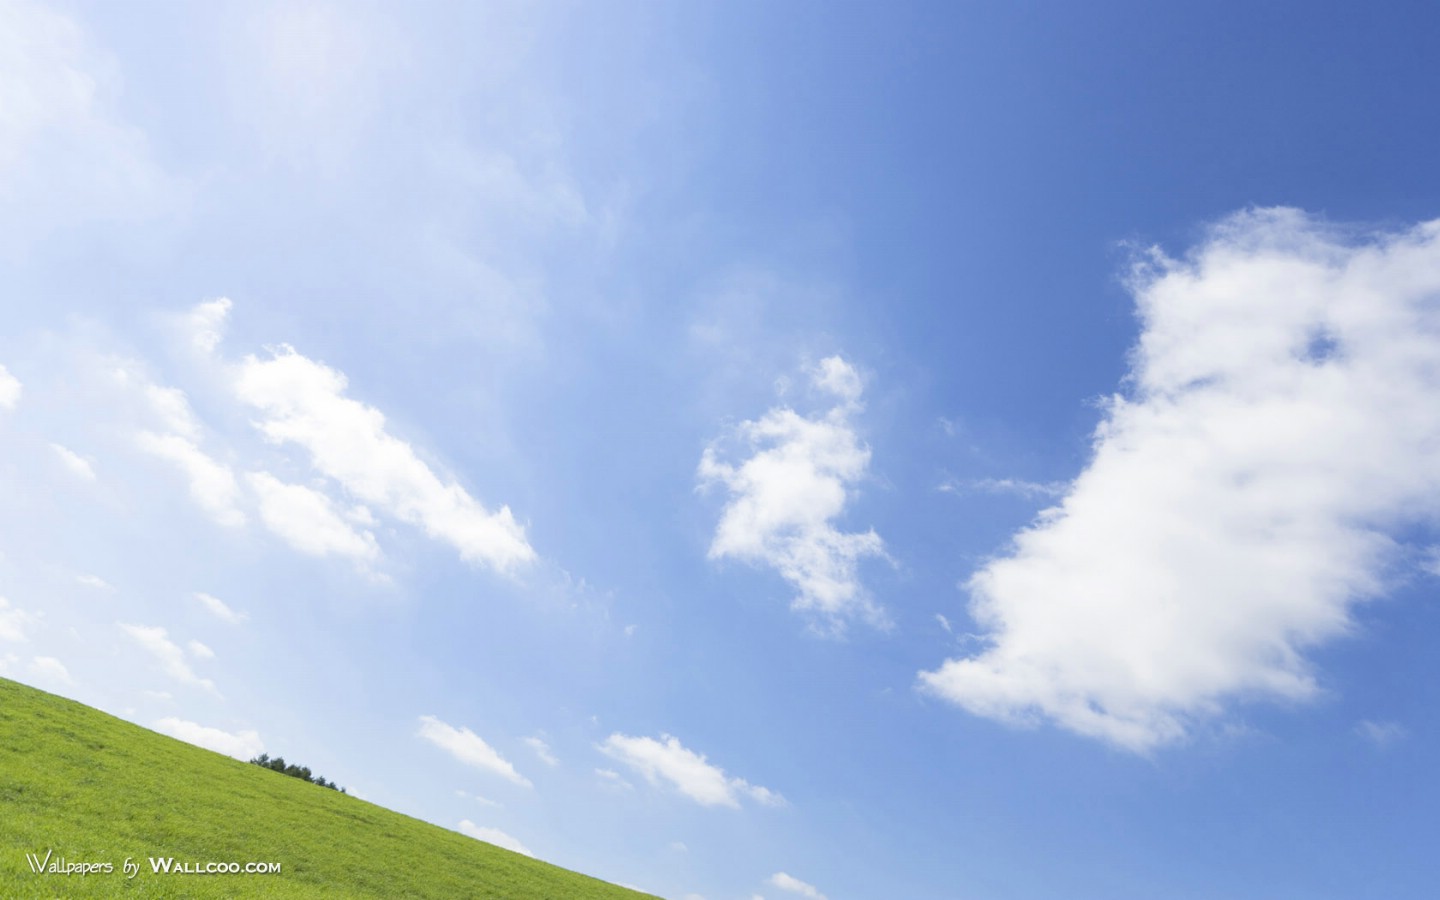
783, 450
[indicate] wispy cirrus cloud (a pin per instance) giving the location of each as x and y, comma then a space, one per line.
786, 496
220, 609
1250, 488
542, 751
74, 462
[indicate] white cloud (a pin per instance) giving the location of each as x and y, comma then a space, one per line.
613, 778
219, 609
157, 643
172, 408
794, 885
48, 668
303, 402
1381, 734
205, 323
308, 521
243, 745
468, 747
785, 498
542, 750
483, 801
73, 461
685, 770
212, 484
492, 836
199, 650
1280, 430
10, 389
13, 622
1030, 490
94, 581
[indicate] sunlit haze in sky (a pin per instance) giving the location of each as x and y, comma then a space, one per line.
784, 450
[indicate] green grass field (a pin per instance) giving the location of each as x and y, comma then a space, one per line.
92, 788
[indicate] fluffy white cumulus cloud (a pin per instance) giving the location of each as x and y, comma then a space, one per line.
468, 747
492, 836
308, 521
10, 389
785, 498
303, 402
241, 745
1280, 431
795, 886
685, 770
156, 641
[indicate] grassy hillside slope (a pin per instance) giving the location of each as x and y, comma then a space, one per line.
92, 788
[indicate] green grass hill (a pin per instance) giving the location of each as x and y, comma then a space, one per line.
90, 788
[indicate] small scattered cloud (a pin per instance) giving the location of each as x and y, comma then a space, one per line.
1381, 734
219, 609
13, 622
1278, 438
542, 750
492, 836
944, 623
483, 801
667, 760
243, 745
94, 581
613, 778
785, 498
10, 389
48, 668
156, 641
77, 464
199, 650
205, 324
469, 748
795, 886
